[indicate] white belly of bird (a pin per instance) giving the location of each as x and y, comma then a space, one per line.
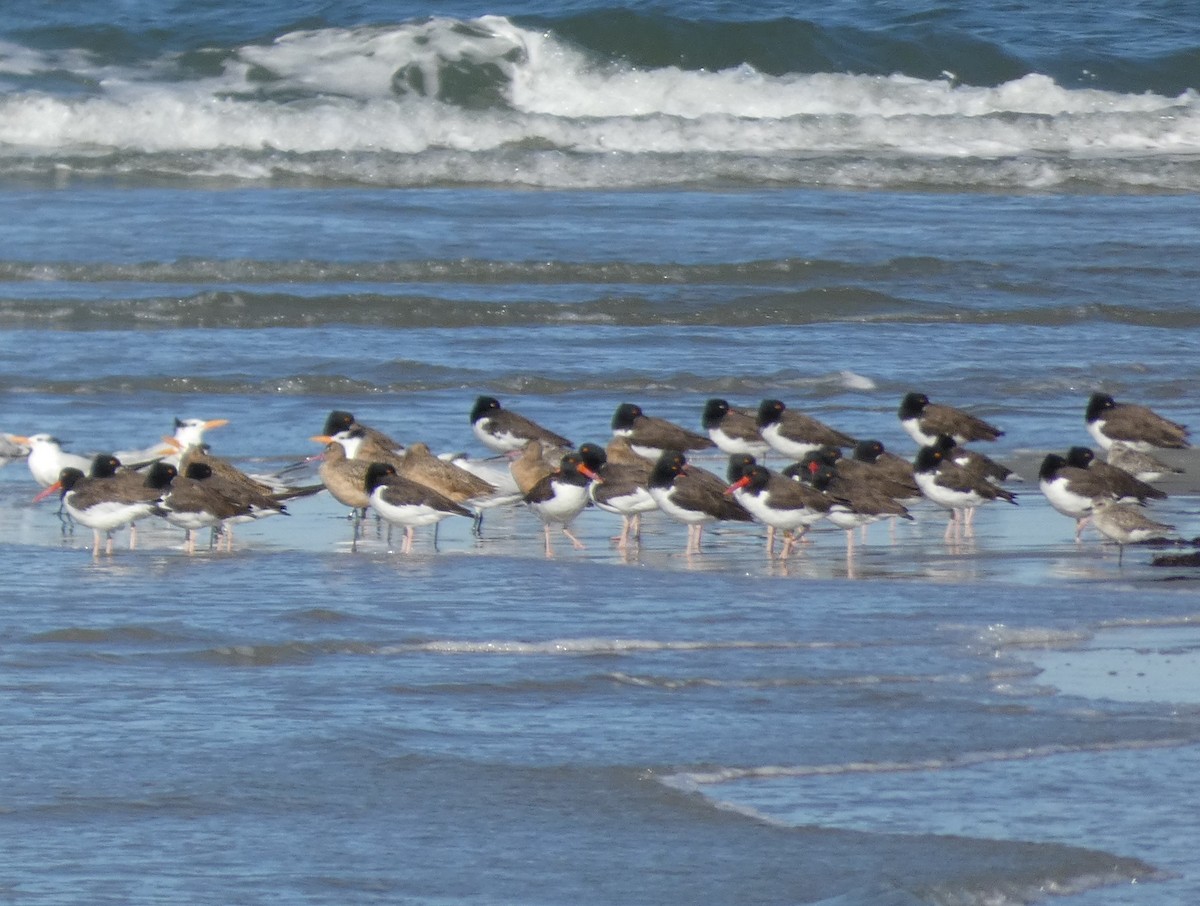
737, 446
947, 498
109, 515
638, 501
912, 427
500, 443
190, 520
406, 513
1060, 497
662, 496
1096, 429
567, 503
795, 449
845, 518
757, 506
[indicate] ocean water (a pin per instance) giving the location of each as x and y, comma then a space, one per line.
265, 212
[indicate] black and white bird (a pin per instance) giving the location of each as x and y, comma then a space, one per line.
1072, 490
622, 488
855, 473
402, 501
341, 420
692, 496
972, 460
191, 503
558, 498
795, 434
896, 468
650, 436
106, 499
1136, 426
504, 431
1121, 485
856, 502
923, 421
778, 502
954, 488
733, 430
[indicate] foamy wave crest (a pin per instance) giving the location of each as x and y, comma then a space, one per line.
581, 646
691, 781
445, 101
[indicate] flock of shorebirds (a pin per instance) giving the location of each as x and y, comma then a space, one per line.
643, 467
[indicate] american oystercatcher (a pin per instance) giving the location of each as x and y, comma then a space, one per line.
106, 499
795, 434
1122, 486
561, 496
651, 437
1072, 490
191, 503
1136, 426
622, 489
691, 495
923, 421
402, 501
777, 502
733, 430
504, 431
954, 488
341, 420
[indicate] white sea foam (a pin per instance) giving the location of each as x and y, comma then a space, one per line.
695, 780
487, 101
580, 646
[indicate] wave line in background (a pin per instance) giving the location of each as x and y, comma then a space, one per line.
490, 101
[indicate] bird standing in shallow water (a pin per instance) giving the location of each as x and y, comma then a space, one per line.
561, 496
795, 434
344, 478
402, 501
1121, 485
1125, 523
1071, 490
105, 500
622, 489
954, 488
779, 503
692, 495
853, 504
734, 431
190, 502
